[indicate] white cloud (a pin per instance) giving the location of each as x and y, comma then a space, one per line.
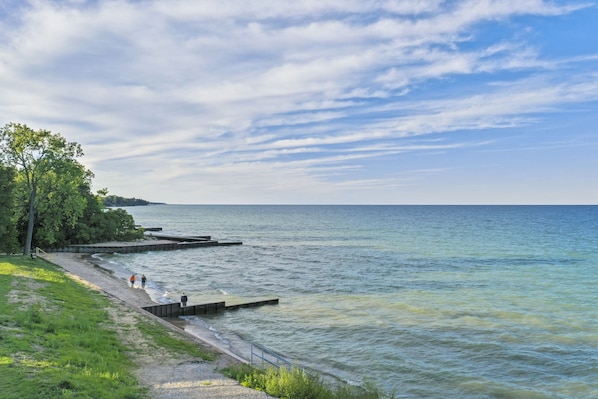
224, 91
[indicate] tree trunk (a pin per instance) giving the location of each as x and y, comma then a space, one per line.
29, 238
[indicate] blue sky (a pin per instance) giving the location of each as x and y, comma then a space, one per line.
314, 102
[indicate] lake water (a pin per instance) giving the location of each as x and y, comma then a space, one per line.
426, 301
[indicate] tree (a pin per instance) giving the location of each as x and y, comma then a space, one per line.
53, 204
115, 200
38, 156
8, 233
64, 201
98, 224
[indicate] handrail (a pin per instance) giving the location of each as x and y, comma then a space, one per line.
267, 357
39, 251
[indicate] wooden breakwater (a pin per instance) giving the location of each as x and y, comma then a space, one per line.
155, 242
179, 238
273, 301
160, 245
176, 309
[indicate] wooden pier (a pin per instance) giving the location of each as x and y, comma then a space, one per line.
176, 309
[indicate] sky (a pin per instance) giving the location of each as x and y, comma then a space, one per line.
314, 101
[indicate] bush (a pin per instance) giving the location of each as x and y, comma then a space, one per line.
299, 384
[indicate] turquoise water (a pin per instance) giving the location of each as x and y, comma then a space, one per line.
427, 301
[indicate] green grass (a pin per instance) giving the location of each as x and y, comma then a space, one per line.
299, 384
165, 339
57, 339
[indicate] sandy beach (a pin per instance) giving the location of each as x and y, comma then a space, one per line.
167, 375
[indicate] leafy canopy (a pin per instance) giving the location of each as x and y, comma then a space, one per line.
53, 202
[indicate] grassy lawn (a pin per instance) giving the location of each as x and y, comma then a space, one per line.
57, 339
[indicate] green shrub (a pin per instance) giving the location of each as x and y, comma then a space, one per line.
239, 371
299, 384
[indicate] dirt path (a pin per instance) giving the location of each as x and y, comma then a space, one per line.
167, 375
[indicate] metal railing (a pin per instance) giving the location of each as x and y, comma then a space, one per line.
263, 357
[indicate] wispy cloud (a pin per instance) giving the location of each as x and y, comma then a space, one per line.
262, 97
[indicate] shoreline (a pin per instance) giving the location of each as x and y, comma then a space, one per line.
176, 377
103, 279
141, 297
83, 268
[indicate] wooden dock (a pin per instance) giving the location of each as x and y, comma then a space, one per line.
176, 309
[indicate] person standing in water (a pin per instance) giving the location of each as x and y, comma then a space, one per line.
143, 280
132, 280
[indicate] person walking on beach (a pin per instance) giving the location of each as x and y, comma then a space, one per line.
143, 280
132, 280
184, 299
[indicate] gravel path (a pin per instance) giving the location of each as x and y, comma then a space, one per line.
167, 375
